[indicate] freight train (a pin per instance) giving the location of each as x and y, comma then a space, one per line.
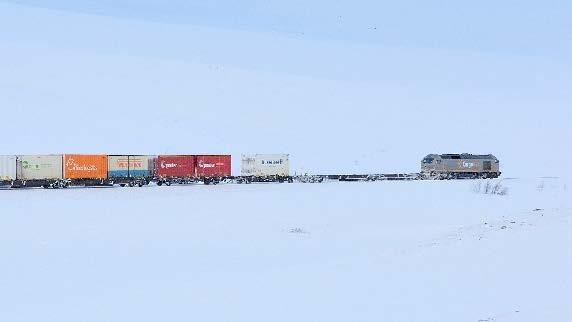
62, 171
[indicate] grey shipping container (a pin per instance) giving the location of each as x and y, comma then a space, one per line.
40, 167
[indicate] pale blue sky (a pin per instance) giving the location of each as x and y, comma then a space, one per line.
516, 26
351, 86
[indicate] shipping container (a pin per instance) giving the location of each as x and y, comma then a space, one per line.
85, 166
130, 166
175, 166
7, 167
262, 165
213, 166
40, 167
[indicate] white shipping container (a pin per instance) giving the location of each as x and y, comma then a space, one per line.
7, 167
262, 165
40, 167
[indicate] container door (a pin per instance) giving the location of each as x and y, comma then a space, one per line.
248, 165
8, 168
18, 168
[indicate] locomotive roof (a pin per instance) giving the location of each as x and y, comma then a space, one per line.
468, 156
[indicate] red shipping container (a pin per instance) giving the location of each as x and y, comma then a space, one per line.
213, 166
175, 166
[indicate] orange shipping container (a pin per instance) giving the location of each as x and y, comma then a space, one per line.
83, 166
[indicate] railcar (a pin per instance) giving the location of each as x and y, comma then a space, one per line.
131, 170
265, 168
212, 169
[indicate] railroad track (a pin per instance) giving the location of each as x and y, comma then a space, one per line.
358, 177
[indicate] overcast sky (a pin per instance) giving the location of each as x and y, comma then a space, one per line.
380, 82
519, 27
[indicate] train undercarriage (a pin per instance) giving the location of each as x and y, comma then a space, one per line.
160, 181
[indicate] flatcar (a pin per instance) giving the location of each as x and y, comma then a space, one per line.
460, 166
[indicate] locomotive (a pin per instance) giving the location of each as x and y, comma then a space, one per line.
460, 166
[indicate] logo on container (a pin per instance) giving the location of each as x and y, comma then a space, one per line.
168, 165
123, 163
272, 162
72, 165
26, 165
202, 164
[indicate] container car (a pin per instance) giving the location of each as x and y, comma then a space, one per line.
175, 169
130, 169
455, 166
212, 168
266, 167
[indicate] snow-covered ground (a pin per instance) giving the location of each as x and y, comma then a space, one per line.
384, 251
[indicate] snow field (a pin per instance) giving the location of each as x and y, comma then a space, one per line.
392, 251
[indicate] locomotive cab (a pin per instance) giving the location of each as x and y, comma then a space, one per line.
430, 165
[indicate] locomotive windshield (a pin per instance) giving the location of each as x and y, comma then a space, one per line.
428, 160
